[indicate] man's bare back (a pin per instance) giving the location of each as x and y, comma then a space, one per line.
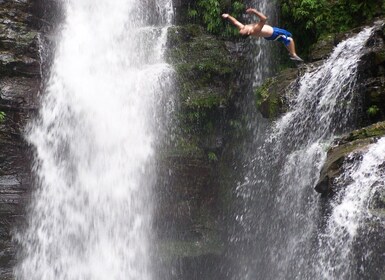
249, 29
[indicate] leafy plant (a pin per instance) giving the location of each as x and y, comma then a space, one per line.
208, 13
211, 11
311, 19
212, 156
2, 116
373, 111
192, 13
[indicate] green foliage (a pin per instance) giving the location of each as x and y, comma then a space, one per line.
373, 111
192, 13
2, 116
211, 11
262, 92
212, 156
310, 19
267, 100
208, 13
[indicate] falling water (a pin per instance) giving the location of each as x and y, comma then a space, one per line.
261, 53
350, 209
280, 219
260, 56
90, 214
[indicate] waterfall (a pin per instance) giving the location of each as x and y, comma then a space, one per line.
323, 108
349, 210
260, 54
282, 213
260, 51
95, 140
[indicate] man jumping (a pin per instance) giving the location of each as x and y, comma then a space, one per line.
261, 29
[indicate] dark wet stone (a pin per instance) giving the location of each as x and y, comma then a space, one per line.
19, 87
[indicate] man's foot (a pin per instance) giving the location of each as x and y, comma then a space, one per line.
225, 15
296, 58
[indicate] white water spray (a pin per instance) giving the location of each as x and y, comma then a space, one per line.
90, 215
350, 210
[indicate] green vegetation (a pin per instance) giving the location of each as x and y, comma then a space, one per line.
267, 99
2, 116
203, 68
373, 111
262, 93
212, 157
208, 13
312, 19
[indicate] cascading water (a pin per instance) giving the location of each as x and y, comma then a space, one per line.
260, 51
350, 209
279, 223
90, 215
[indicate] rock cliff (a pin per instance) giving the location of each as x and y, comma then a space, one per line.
21, 33
190, 220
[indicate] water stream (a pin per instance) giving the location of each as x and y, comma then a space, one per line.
280, 217
100, 119
351, 209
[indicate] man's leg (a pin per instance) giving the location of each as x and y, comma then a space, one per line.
291, 48
233, 21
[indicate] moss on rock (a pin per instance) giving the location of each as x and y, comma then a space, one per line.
205, 70
270, 97
202, 61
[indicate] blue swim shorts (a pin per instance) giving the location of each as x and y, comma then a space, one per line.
280, 35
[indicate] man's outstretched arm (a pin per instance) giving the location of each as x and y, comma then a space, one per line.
233, 21
261, 16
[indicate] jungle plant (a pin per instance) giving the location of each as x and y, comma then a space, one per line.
373, 111
312, 19
208, 13
2, 116
212, 157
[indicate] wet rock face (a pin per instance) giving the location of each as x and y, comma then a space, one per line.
371, 79
19, 87
188, 218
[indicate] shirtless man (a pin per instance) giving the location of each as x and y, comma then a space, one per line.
261, 29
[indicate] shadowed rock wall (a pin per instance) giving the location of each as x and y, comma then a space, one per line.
21, 28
